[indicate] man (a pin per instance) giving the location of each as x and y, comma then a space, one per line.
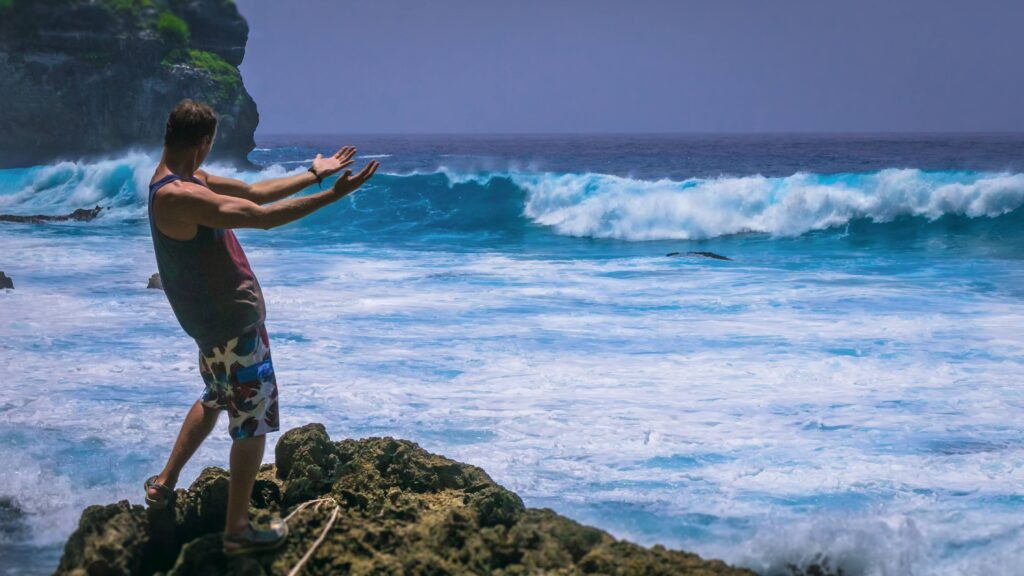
218, 302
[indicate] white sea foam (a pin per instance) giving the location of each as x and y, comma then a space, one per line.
614, 207
761, 411
630, 403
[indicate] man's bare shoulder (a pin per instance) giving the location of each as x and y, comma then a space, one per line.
178, 199
180, 189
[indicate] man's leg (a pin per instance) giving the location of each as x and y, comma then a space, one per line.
196, 427
254, 414
246, 457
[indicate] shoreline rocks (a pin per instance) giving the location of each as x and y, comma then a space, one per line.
6, 283
702, 254
155, 283
80, 215
12, 520
401, 510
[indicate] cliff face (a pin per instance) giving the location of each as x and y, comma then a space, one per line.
91, 77
383, 506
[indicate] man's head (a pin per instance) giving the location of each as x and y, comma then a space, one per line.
191, 126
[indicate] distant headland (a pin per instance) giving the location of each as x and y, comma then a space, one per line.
87, 78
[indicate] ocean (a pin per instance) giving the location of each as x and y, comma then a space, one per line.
845, 389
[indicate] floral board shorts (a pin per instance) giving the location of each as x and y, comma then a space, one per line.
239, 377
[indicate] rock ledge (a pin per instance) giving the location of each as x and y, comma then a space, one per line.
403, 511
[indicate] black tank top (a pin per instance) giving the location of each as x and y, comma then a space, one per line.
207, 279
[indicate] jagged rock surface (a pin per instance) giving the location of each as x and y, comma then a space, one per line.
80, 215
94, 77
402, 511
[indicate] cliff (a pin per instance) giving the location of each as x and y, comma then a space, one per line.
93, 77
400, 510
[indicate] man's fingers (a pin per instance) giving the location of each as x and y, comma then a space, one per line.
362, 173
318, 157
345, 152
367, 171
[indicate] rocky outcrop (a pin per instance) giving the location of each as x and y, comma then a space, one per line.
92, 77
401, 510
12, 518
155, 283
711, 255
80, 215
6, 282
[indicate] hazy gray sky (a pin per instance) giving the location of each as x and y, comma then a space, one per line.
413, 66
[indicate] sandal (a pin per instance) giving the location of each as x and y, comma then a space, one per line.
164, 491
255, 539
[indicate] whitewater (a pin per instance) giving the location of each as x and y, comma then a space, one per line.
847, 387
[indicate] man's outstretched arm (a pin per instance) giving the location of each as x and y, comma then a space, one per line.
275, 189
194, 205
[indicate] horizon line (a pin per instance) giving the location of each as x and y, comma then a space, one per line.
691, 133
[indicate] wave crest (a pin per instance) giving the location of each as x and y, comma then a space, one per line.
120, 185
581, 205
602, 206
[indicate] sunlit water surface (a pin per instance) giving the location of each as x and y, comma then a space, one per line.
847, 386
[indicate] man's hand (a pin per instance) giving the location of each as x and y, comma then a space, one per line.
325, 167
347, 183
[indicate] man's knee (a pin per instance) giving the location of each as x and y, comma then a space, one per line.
249, 443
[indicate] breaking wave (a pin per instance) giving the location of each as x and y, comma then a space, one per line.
579, 205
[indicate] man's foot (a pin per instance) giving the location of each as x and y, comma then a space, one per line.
158, 494
253, 539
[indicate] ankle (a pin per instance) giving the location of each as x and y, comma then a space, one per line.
167, 480
236, 527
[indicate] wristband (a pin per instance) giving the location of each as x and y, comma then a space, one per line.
319, 180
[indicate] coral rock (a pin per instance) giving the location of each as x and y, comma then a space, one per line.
400, 510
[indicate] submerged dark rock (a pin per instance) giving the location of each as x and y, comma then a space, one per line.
12, 517
155, 283
80, 215
702, 254
401, 510
94, 77
821, 566
6, 282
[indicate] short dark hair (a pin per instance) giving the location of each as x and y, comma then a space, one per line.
188, 122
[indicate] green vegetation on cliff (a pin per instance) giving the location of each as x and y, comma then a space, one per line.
130, 7
172, 29
224, 75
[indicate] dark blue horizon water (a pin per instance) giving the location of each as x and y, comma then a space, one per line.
848, 385
672, 156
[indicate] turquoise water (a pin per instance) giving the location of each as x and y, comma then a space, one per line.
847, 386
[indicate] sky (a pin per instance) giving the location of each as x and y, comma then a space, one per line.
635, 66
